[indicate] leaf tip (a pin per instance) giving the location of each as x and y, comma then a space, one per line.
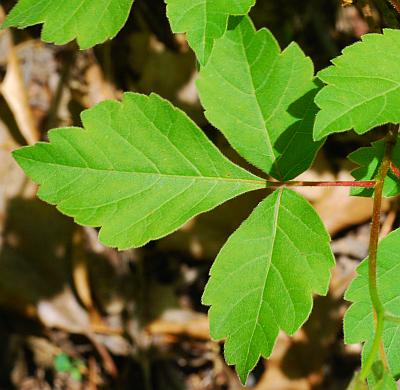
319, 131
20, 153
243, 375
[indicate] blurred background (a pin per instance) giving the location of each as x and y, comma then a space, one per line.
77, 315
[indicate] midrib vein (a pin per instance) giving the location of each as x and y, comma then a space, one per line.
260, 182
366, 101
261, 116
274, 231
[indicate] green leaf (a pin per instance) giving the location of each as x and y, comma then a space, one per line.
140, 170
89, 21
204, 21
62, 363
370, 159
76, 375
264, 277
382, 380
385, 383
262, 99
357, 383
363, 86
358, 321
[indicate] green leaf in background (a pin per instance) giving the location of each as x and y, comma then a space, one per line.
204, 21
262, 99
140, 170
62, 363
264, 277
369, 159
89, 21
363, 86
358, 321
75, 373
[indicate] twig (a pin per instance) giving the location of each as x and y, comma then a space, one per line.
378, 308
387, 13
108, 362
395, 4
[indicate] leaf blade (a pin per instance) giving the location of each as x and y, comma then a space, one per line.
262, 99
89, 21
255, 289
203, 21
358, 320
362, 90
369, 160
140, 169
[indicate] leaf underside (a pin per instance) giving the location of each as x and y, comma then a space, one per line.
369, 159
140, 170
89, 21
262, 99
363, 86
264, 277
358, 321
204, 21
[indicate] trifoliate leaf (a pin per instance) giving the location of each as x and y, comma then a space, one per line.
140, 169
262, 99
89, 21
363, 86
204, 21
369, 159
264, 277
358, 321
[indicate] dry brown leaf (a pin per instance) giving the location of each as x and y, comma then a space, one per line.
339, 210
180, 323
15, 93
274, 378
99, 88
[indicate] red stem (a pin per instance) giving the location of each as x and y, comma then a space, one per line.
363, 184
395, 170
396, 5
